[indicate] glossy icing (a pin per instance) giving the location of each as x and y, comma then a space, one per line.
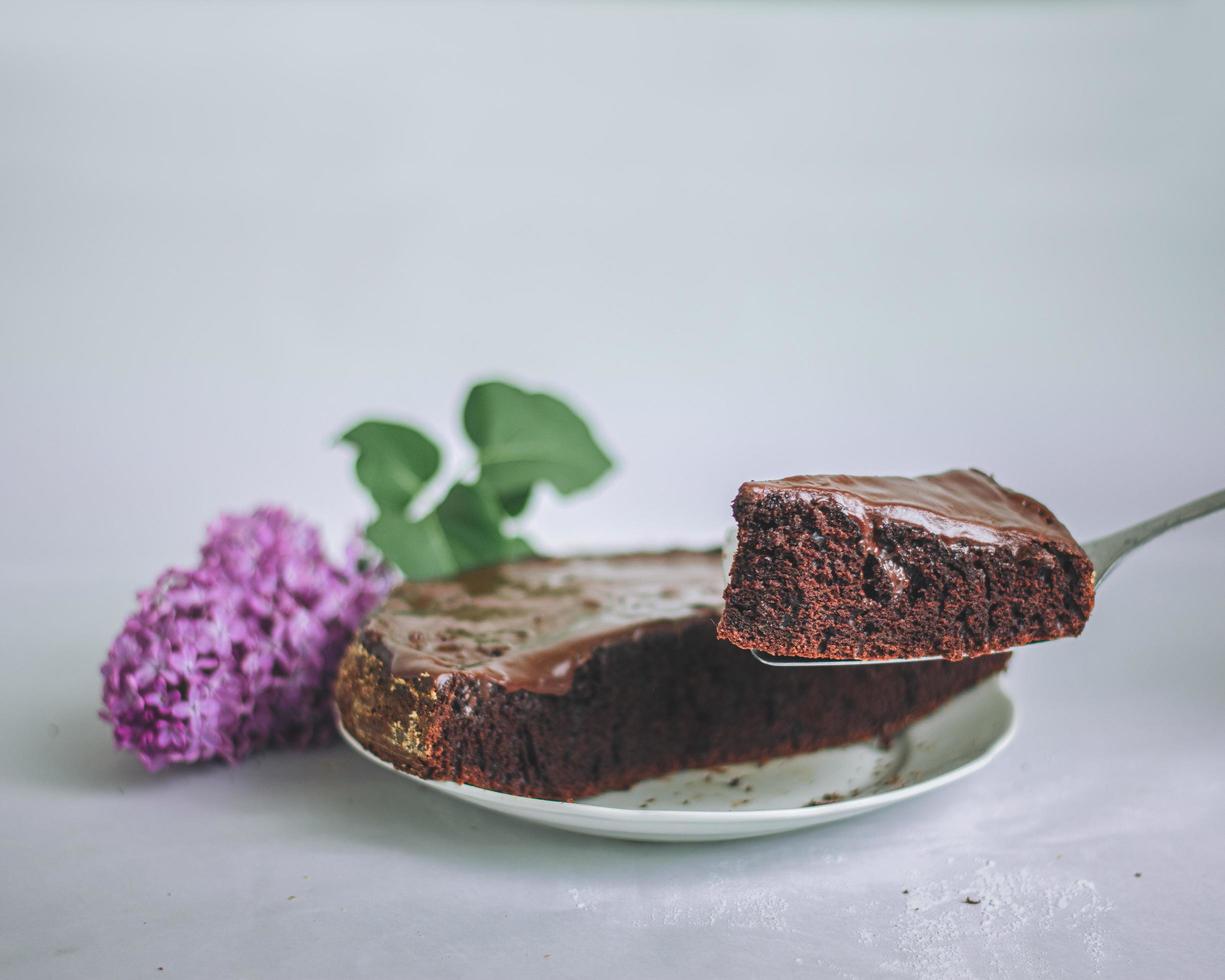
531, 624
958, 504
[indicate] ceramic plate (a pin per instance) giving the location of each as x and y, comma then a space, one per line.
751, 799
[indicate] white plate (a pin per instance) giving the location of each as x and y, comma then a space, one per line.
750, 800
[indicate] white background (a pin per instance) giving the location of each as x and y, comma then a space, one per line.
746, 240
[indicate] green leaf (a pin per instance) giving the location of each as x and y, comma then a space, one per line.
418, 548
524, 437
472, 523
464, 531
521, 439
514, 502
394, 462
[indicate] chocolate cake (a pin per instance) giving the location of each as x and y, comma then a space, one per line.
846, 567
565, 678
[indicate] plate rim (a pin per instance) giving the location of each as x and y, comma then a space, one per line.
596, 813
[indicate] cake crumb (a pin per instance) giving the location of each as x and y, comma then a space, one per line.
972, 901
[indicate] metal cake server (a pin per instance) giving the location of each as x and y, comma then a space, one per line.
1105, 552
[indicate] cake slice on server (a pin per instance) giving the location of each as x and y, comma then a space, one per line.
875, 568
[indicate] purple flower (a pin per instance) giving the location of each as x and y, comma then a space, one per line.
239, 653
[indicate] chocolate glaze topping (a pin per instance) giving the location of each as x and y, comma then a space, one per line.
956, 505
531, 624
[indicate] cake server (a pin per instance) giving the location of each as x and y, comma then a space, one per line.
1105, 552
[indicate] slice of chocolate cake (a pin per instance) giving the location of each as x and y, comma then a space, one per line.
864, 568
565, 678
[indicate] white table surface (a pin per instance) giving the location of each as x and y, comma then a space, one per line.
1094, 843
746, 239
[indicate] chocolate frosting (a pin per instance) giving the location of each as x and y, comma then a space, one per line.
959, 504
531, 624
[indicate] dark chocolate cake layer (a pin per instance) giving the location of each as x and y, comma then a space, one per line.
562, 679
842, 567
